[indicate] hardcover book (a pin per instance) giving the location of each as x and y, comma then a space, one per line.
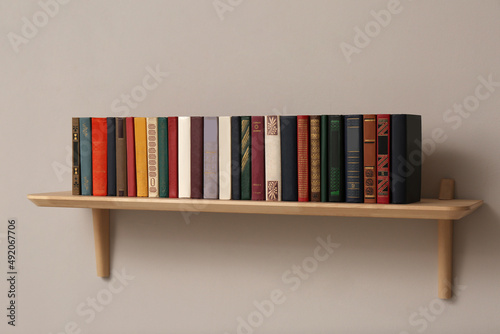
76, 156
196, 157
273, 158
210, 158
258, 163
315, 157
370, 158
184, 158
224, 157
111, 140
235, 157
336, 159
303, 157
289, 179
86, 156
99, 157
131, 174
141, 155
173, 163
383, 158
246, 186
152, 156
162, 157
121, 157
354, 158
324, 158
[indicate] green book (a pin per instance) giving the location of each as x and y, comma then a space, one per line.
246, 189
336, 189
324, 157
163, 156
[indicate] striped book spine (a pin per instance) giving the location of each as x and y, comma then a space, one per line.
152, 133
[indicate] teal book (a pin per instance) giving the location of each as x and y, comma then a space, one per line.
86, 155
246, 172
163, 156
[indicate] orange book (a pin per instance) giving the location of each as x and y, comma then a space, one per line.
99, 157
141, 163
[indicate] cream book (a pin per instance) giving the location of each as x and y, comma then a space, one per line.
184, 170
225, 157
152, 132
273, 158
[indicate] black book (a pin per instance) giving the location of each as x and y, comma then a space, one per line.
111, 156
289, 177
235, 157
354, 158
76, 187
336, 165
406, 158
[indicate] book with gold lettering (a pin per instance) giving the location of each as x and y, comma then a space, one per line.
246, 155
303, 157
86, 156
354, 158
141, 163
336, 159
273, 158
258, 163
383, 158
152, 156
76, 156
314, 157
370, 158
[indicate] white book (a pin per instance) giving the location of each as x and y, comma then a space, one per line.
273, 158
184, 170
152, 139
225, 157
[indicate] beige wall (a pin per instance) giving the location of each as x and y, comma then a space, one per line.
262, 57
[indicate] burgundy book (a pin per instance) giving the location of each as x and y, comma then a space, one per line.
173, 145
131, 182
258, 164
370, 158
197, 157
303, 157
383, 157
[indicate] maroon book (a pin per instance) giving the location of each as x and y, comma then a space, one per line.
196, 157
258, 162
131, 182
173, 187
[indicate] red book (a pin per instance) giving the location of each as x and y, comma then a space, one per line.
131, 181
173, 146
303, 157
258, 168
197, 157
100, 156
383, 158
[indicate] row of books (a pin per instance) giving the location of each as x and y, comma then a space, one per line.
327, 158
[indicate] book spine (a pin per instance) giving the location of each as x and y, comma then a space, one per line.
111, 140
131, 174
225, 157
314, 158
289, 184
273, 158
324, 158
303, 157
197, 157
370, 158
246, 157
210, 158
173, 162
235, 157
86, 156
76, 188
354, 158
258, 159
162, 157
184, 158
121, 157
141, 156
99, 157
152, 156
336, 158
383, 158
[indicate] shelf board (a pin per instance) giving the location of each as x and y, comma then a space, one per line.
425, 209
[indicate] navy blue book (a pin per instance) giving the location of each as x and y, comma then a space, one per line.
235, 157
354, 158
406, 158
111, 156
289, 176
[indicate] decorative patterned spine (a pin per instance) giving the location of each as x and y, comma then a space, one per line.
273, 158
315, 161
370, 158
246, 188
152, 153
383, 158
303, 158
76, 156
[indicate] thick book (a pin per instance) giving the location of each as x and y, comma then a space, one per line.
258, 166
383, 158
303, 157
246, 158
131, 175
224, 157
86, 156
273, 158
76, 189
315, 158
324, 157
141, 156
289, 185
196, 157
184, 158
354, 158
406, 158
121, 157
235, 157
173, 162
152, 156
99, 157
336, 159
162, 157
111, 156
370, 158
210, 158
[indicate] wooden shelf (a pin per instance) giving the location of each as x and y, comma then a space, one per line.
445, 210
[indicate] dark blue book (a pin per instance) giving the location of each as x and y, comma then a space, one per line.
354, 158
86, 155
289, 176
406, 158
235, 157
163, 156
111, 156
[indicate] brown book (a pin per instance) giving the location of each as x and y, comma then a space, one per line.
197, 157
315, 154
370, 158
303, 157
121, 157
76, 156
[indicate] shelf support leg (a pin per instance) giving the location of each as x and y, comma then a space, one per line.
101, 239
445, 243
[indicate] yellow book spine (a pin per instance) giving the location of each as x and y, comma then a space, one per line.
141, 163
